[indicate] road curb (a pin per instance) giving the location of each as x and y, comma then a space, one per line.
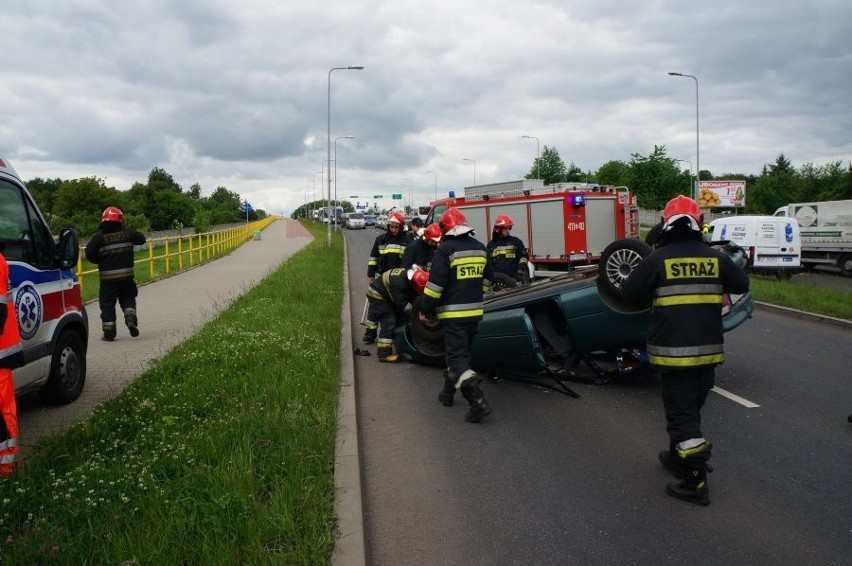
842, 323
349, 546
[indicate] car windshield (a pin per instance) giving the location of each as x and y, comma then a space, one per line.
355, 216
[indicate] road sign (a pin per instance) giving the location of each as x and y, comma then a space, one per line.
397, 196
378, 196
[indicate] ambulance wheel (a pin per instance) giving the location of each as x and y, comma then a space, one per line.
67, 370
618, 260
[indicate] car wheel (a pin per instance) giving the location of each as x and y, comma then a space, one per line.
67, 370
618, 261
427, 337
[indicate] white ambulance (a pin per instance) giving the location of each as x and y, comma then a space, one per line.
46, 292
773, 244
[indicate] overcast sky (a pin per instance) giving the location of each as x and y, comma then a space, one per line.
235, 94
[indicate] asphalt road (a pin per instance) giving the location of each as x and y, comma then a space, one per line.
548, 479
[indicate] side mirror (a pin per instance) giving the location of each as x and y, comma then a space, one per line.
68, 248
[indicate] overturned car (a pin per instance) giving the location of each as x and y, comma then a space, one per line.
550, 326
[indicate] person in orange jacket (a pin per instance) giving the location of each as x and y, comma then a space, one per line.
11, 357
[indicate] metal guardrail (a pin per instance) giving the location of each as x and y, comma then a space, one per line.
177, 252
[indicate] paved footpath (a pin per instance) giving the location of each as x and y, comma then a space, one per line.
170, 311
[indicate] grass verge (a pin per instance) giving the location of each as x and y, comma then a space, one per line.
223, 453
803, 295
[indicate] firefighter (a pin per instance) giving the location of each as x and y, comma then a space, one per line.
390, 296
11, 357
685, 279
507, 254
111, 249
460, 275
415, 225
386, 255
421, 250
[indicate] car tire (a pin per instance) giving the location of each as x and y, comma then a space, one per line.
67, 370
618, 260
426, 337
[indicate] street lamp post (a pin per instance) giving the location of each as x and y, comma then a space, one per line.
436, 183
537, 153
410, 195
690, 169
328, 138
474, 168
697, 158
335, 165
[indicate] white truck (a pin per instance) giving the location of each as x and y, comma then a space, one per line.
826, 232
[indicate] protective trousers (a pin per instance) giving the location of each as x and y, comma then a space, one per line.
684, 394
9, 424
124, 291
384, 315
458, 336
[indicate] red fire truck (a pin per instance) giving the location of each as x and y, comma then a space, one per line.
563, 225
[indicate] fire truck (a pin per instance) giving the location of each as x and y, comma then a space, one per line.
563, 225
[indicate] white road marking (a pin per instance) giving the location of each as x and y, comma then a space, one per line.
735, 398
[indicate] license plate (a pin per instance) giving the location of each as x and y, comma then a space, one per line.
577, 257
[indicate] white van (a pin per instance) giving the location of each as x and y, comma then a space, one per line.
773, 243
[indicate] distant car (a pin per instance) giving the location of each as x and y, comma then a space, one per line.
369, 221
354, 221
553, 324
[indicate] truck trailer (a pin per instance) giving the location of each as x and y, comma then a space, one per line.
563, 225
826, 232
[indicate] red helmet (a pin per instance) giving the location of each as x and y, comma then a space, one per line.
396, 217
452, 218
682, 207
418, 277
112, 214
433, 232
503, 221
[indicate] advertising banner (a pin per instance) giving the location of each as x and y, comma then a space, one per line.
727, 194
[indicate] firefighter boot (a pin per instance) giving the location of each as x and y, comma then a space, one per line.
449, 391
693, 485
479, 407
109, 331
131, 321
385, 351
670, 460
370, 334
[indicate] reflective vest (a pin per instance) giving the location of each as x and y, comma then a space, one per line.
460, 275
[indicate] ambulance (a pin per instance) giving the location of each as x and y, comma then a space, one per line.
46, 293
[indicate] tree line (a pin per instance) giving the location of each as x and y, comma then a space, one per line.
158, 204
656, 178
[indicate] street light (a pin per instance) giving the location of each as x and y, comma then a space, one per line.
538, 155
690, 168
328, 138
474, 168
335, 163
697, 158
410, 195
436, 183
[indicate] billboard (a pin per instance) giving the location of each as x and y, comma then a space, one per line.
727, 194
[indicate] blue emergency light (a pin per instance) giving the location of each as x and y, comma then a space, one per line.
578, 200
452, 194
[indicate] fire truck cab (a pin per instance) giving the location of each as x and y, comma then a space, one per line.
563, 225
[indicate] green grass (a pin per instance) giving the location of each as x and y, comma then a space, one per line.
222, 453
803, 295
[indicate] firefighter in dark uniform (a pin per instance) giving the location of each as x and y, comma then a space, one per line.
415, 225
390, 296
420, 251
507, 254
460, 275
685, 279
386, 255
111, 248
